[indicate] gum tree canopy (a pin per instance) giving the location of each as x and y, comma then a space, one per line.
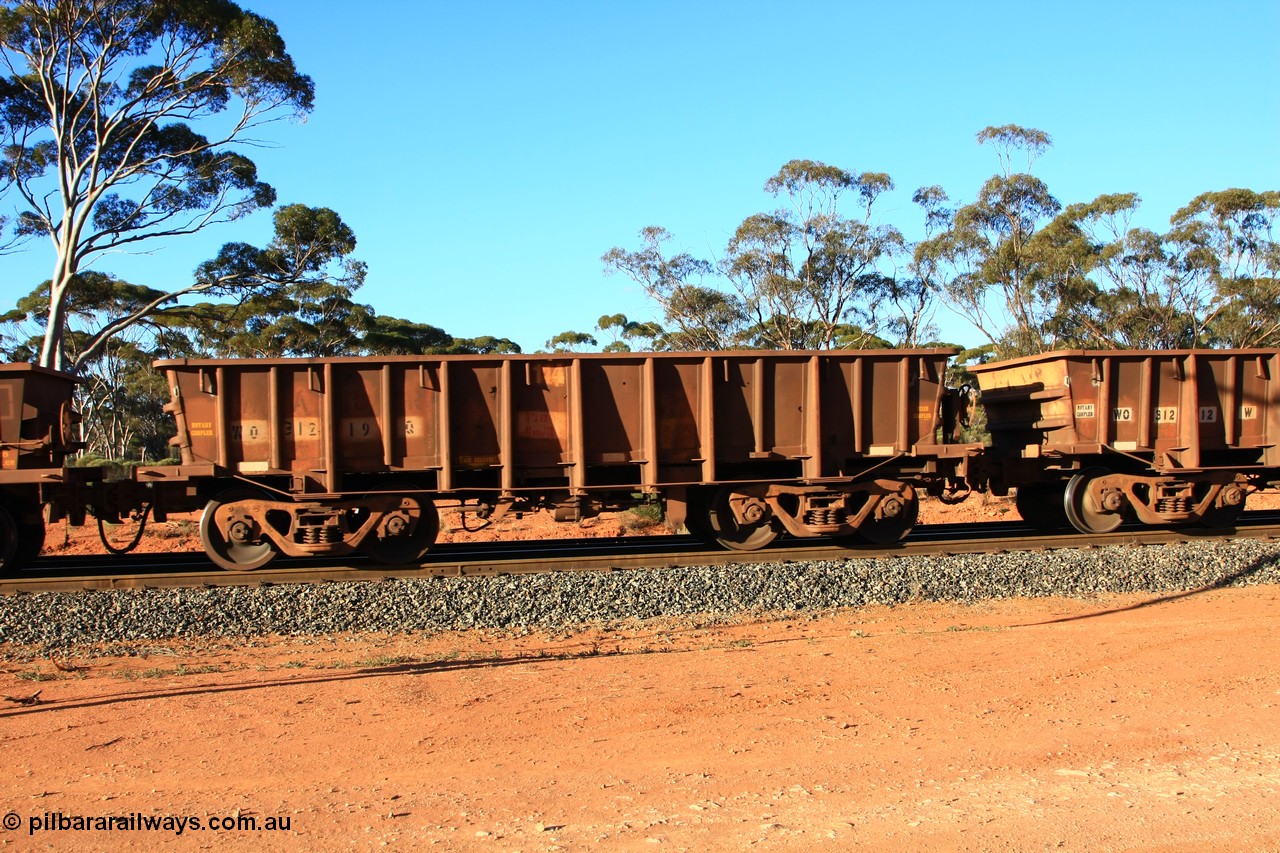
97, 106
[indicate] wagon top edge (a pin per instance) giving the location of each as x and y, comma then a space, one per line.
634, 357
23, 367
1058, 355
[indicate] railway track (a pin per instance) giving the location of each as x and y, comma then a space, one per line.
569, 555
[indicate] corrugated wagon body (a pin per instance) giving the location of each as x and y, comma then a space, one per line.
1172, 436
37, 425
354, 451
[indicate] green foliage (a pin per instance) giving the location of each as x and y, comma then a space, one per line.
647, 336
1224, 241
815, 274
1009, 138
570, 341
97, 112
485, 345
1124, 292
990, 245
393, 336
808, 272
695, 316
1083, 276
112, 469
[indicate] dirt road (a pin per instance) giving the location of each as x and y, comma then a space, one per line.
1123, 723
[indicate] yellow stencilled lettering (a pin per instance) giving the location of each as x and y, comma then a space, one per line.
477, 461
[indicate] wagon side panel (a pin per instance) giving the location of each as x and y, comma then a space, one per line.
683, 438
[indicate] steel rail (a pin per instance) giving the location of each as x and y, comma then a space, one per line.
656, 552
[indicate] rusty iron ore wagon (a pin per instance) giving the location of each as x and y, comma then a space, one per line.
37, 434
1095, 437
330, 457
343, 455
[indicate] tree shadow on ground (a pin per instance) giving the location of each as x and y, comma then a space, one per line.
1222, 582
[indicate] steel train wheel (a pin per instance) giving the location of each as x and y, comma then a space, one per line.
1041, 505
892, 519
30, 541
245, 546
697, 518
8, 541
1083, 511
727, 530
1221, 517
406, 534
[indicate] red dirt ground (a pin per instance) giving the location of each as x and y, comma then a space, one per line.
1122, 723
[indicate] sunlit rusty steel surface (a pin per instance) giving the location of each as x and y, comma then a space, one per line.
1183, 410
575, 422
36, 422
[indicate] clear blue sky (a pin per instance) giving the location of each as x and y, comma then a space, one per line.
487, 153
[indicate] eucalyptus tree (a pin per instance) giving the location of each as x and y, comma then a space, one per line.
648, 335
484, 345
290, 297
808, 271
914, 294
1224, 242
696, 317
120, 398
396, 336
982, 261
570, 341
1127, 292
98, 100
385, 335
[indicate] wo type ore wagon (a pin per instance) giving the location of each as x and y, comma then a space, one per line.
1168, 437
342, 455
